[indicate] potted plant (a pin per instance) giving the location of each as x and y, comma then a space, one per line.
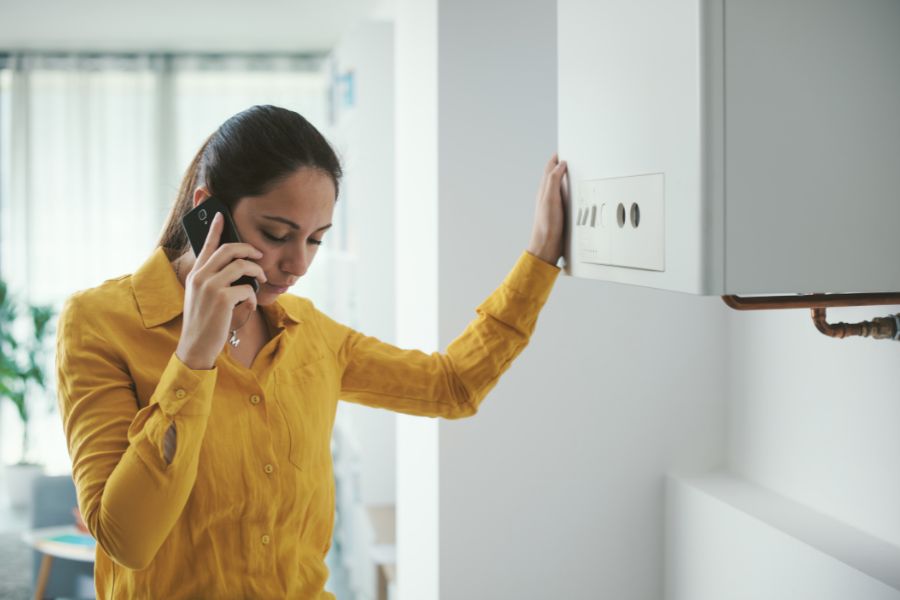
23, 364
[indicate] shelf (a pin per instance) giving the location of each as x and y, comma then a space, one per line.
719, 523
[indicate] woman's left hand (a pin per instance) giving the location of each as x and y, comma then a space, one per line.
549, 217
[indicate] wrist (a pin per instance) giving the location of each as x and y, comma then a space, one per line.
547, 253
549, 256
192, 362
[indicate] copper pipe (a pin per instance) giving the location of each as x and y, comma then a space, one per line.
810, 301
882, 328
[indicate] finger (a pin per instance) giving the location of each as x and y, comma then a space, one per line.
235, 270
240, 293
551, 186
246, 306
227, 253
211, 242
557, 173
551, 164
553, 177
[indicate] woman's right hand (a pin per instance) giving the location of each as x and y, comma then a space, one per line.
210, 299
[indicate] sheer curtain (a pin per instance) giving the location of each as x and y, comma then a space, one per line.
92, 150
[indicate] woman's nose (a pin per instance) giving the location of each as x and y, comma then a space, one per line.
296, 263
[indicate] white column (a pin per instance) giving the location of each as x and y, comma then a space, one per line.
416, 280
555, 488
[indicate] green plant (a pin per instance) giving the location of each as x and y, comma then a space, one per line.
23, 359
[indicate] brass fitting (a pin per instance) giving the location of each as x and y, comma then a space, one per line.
882, 328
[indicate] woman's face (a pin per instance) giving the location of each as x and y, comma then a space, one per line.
287, 225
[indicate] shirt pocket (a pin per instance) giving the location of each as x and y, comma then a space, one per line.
307, 399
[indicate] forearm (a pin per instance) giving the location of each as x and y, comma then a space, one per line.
141, 501
450, 384
132, 510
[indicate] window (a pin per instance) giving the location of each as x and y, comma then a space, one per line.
92, 150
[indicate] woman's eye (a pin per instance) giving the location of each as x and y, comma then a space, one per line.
273, 238
281, 240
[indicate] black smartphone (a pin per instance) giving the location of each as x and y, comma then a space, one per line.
197, 222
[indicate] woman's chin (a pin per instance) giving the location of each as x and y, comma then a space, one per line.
267, 294
266, 299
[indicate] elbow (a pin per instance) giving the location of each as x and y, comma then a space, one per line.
461, 412
129, 551
130, 556
462, 402
463, 408
135, 562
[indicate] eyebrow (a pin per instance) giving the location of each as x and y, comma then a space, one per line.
291, 223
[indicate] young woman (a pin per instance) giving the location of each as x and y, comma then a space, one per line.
198, 414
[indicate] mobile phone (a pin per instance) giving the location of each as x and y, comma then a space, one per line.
197, 222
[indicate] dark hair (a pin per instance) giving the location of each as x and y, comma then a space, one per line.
248, 155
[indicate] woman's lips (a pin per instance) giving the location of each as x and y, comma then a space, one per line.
276, 288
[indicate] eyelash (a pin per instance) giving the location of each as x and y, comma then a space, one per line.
284, 239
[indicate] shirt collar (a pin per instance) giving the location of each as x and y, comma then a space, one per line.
160, 296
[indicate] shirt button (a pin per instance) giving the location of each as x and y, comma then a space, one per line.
254, 399
269, 468
265, 539
180, 393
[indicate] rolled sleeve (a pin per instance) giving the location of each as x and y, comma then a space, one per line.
451, 384
523, 292
129, 496
185, 391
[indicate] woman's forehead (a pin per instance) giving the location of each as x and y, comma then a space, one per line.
306, 193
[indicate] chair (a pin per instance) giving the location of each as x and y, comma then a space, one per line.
53, 498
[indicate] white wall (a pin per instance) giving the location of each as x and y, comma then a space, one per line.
555, 489
728, 539
816, 419
812, 436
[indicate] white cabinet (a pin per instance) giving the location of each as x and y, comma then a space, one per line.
759, 141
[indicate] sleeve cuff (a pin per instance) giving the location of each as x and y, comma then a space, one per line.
523, 293
184, 391
532, 277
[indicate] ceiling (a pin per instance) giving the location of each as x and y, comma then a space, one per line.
296, 26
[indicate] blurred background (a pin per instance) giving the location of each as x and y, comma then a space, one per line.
102, 107
647, 444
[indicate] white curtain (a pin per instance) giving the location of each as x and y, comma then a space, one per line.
92, 150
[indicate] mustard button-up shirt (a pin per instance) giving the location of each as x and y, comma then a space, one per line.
246, 507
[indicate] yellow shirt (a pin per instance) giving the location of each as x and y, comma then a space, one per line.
246, 508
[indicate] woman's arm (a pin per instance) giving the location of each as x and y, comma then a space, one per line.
453, 384
129, 494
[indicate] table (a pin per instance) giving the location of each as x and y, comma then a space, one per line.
42, 541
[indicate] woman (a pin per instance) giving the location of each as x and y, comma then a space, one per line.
203, 468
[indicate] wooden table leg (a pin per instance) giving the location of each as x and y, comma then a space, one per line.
382, 583
43, 576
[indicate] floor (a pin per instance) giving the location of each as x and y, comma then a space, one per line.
15, 558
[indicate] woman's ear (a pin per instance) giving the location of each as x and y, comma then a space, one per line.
200, 194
